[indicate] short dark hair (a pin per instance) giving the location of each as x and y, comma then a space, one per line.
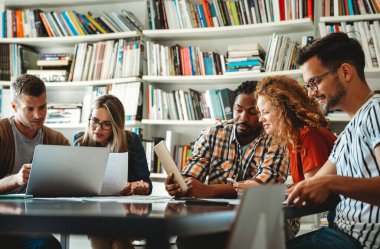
247, 87
333, 50
27, 84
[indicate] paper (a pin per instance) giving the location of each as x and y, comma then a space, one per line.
116, 175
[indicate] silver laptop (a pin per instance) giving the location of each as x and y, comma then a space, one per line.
67, 171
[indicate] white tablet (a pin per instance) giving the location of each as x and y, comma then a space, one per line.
169, 165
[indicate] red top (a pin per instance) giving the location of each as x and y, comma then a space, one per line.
315, 146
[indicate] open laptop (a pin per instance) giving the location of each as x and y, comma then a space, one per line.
259, 222
67, 171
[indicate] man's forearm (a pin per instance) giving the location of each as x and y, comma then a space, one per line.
362, 189
222, 191
8, 183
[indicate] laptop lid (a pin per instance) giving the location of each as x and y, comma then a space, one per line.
259, 222
67, 171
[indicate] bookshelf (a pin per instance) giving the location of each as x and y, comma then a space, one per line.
214, 39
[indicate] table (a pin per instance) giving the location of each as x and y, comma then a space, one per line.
156, 222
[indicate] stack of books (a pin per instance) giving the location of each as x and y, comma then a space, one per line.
54, 67
245, 58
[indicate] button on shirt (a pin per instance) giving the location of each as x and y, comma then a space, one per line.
218, 154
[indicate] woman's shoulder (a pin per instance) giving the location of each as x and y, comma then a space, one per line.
77, 135
309, 132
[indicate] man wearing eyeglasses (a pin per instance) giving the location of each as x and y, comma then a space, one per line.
19, 135
333, 68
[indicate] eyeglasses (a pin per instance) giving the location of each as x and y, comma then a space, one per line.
313, 83
106, 125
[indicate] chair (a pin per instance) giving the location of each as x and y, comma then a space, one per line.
259, 222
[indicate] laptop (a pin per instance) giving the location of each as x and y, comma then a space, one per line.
63, 171
259, 219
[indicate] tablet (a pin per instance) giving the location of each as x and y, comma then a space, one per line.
169, 165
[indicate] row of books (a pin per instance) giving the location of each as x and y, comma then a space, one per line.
16, 59
189, 105
98, 61
281, 53
180, 152
350, 7
366, 32
107, 60
130, 94
245, 58
38, 23
180, 14
180, 60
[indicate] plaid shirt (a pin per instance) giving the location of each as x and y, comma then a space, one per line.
218, 154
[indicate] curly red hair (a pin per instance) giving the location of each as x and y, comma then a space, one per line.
294, 108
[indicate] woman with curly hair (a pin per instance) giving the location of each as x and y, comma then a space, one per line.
295, 121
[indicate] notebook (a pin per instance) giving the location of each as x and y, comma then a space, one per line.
67, 171
169, 165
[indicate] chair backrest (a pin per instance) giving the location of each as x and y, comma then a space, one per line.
259, 223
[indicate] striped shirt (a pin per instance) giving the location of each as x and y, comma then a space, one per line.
353, 154
218, 155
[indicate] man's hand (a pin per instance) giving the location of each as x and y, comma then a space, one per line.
197, 188
172, 187
22, 177
136, 188
311, 192
243, 185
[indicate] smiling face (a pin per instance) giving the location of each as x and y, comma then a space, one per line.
330, 90
30, 113
268, 115
100, 126
245, 116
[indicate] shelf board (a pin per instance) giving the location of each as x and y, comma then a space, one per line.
353, 18
301, 25
219, 79
179, 122
84, 125
339, 118
67, 41
80, 84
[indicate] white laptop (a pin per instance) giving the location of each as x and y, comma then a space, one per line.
259, 222
67, 171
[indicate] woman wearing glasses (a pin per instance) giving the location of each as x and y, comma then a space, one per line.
106, 129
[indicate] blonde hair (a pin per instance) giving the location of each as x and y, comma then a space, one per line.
118, 142
293, 107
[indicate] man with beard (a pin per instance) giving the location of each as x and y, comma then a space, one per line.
333, 68
236, 149
19, 135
